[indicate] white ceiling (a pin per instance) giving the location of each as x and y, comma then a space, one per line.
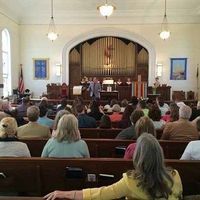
85, 12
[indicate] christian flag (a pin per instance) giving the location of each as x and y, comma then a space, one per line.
21, 81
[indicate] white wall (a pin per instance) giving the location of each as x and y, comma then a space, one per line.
184, 42
13, 30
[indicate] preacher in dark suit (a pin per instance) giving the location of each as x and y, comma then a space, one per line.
95, 88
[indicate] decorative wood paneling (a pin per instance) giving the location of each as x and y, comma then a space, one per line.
108, 56
163, 91
74, 69
74, 57
143, 58
142, 64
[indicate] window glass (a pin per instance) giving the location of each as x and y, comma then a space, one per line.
6, 63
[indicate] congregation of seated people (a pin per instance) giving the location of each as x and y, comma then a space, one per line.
138, 120
172, 119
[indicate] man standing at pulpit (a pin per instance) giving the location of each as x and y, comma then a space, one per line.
95, 88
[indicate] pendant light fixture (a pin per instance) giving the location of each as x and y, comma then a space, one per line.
52, 35
165, 33
106, 10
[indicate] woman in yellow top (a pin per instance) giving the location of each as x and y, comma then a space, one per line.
149, 180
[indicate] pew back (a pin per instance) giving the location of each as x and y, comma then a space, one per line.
99, 132
14, 178
111, 148
54, 174
20, 198
107, 133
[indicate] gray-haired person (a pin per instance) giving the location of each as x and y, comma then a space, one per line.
181, 129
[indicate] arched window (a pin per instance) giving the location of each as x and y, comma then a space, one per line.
6, 62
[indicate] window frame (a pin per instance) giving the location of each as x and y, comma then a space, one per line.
6, 70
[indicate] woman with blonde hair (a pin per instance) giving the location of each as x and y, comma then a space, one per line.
67, 140
9, 144
56, 120
149, 179
4, 109
143, 125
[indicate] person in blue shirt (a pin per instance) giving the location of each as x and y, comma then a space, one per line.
67, 140
84, 121
43, 119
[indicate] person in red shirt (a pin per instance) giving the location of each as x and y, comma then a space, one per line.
116, 116
143, 125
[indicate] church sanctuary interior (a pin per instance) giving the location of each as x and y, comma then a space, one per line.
89, 87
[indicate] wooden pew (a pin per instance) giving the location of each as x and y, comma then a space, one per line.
20, 179
107, 133
111, 148
53, 174
97, 147
87, 172
173, 149
193, 197
35, 145
20, 198
99, 132
114, 148
159, 133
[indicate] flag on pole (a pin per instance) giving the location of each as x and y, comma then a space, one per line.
21, 81
197, 75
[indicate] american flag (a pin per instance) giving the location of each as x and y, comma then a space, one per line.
21, 81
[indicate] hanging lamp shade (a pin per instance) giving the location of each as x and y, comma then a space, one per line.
165, 33
106, 10
52, 35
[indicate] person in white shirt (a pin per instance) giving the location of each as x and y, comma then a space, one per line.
10, 146
192, 151
164, 108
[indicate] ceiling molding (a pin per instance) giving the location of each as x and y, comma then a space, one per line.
27, 12
112, 20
